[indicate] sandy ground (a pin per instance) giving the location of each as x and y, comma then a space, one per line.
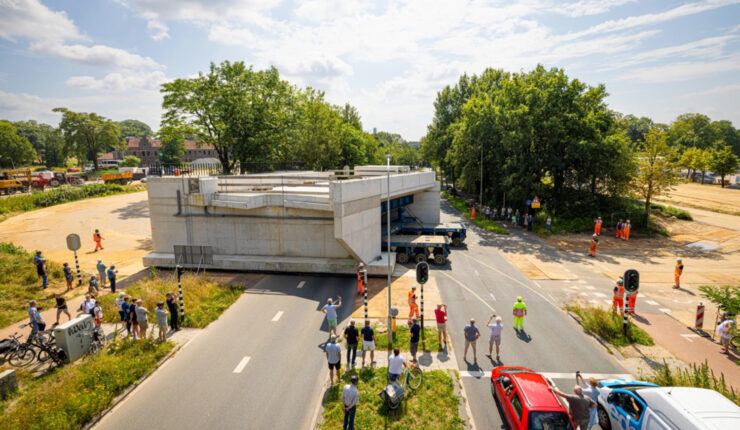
123, 221
708, 197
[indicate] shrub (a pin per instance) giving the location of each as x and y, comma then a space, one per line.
42, 199
402, 337
460, 204
608, 326
699, 376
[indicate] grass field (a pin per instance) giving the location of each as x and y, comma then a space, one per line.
402, 338
433, 406
460, 204
69, 397
19, 283
602, 322
204, 299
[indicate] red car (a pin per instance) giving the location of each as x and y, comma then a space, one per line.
526, 400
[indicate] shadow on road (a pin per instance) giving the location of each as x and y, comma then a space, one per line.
133, 210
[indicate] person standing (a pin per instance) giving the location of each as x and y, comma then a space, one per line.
396, 363
619, 229
101, 271
352, 336
119, 305
594, 245
97, 314
496, 330
112, 272
530, 222
520, 310
87, 305
549, 224
174, 315
141, 318
61, 306
415, 330
725, 334
626, 230
330, 309
40, 263
368, 342
126, 307
68, 276
631, 302
578, 405
441, 315
334, 357
413, 307
32, 311
677, 272
618, 299
471, 337
592, 392
98, 240
161, 315
350, 398
132, 318
495, 213
597, 226
526, 222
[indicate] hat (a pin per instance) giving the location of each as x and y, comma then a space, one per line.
97, 229
678, 259
355, 379
620, 280
38, 252
413, 287
519, 299
595, 235
333, 337
121, 294
158, 303
113, 266
100, 260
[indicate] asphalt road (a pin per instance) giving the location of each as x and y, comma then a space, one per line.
479, 278
210, 383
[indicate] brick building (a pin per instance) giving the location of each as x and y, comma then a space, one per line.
148, 151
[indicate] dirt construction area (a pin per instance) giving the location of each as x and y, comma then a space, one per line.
706, 197
123, 221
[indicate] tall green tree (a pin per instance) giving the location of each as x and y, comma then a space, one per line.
656, 172
173, 145
635, 128
88, 134
15, 150
727, 134
134, 128
55, 151
402, 152
723, 162
692, 130
351, 115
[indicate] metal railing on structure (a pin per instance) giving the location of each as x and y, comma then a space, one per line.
217, 169
309, 183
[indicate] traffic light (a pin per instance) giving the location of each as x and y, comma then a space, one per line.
631, 280
422, 273
180, 270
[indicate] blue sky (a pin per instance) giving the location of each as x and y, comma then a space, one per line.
387, 58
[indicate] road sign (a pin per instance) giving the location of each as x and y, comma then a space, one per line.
535, 203
73, 242
528, 202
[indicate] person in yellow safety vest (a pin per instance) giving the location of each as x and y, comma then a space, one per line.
413, 307
360, 281
631, 302
520, 310
618, 300
677, 273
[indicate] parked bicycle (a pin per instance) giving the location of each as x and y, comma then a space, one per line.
393, 393
45, 343
15, 353
97, 339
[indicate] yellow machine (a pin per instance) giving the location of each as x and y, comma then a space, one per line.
13, 181
118, 178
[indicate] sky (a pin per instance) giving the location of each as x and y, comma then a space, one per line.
388, 58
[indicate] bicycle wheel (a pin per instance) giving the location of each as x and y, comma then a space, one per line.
22, 356
43, 355
414, 378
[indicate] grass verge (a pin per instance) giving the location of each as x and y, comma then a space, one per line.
402, 338
699, 376
605, 324
460, 204
42, 199
19, 283
433, 406
204, 299
69, 397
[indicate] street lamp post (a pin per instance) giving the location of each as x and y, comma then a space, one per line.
388, 242
480, 199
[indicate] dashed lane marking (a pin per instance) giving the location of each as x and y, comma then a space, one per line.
277, 316
665, 310
599, 295
651, 302
581, 281
301, 284
689, 336
589, 287
242, 364
492, 296
608, 303
505, 275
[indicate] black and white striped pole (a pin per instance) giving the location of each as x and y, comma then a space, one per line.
363, 274
73, 244
79, 274
422, 276
180, 271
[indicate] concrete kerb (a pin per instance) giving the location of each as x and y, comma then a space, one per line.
464, 407
609, 347
118, 399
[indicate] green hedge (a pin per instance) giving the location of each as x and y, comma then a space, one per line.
42, 199
608, 326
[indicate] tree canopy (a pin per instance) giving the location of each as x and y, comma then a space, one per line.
15, 150
723, 162
656, 173
134, 128
88, 134
46, 140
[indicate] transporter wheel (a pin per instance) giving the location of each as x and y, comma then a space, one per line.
421, 257
402, 257
439, 259
457, 241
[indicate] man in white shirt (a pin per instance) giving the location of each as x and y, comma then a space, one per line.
495, 335
396, 363
350, 398
725, 334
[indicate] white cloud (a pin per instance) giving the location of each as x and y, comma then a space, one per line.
683, 71
116, 82
722, 89
589, 7
99, 55
708, 48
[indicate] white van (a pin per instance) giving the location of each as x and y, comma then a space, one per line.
667, 408
109, 164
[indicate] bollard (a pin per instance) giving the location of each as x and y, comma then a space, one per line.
700, 316
79, 274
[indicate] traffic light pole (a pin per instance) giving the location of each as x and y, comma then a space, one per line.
422, 276
180, 271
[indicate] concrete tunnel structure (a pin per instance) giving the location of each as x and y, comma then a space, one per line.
308, 222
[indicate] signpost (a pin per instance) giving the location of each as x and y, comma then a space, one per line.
535, 203
73, 244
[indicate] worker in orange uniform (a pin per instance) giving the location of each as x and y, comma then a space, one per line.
594, 244
472, 213
413, 307
631, 301
626, 228
620, 226
360, 281
677, 273
618, 299
597, 226
98, 240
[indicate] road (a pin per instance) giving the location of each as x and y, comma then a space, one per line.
480, 278
210, 382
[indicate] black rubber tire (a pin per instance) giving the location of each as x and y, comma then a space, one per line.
457, 241
439, 259
604, 421
402, 257
54, 183
22, 356
420, 257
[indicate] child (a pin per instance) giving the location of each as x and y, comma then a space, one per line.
98, 314
68, 276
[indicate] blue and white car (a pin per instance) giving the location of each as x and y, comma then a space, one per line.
620, 406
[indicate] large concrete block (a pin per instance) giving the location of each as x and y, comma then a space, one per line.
8, 383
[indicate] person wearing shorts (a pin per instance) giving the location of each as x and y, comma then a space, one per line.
330, 309
368, 342
334, 357
496, 330
61, 308
141, 318
441, 315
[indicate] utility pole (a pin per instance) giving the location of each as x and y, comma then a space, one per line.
388, 242
480, 199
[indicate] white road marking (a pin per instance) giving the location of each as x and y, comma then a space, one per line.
469, 290
589, 287
665, 310
277, 316
689, 336
301, 284
476, 272
582, 294
651, 302
581, 281
552, 375
505, 275
594, 301
242, 364
492, 296
608, 302
600, 295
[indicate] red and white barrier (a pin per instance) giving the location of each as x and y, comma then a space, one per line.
700, 316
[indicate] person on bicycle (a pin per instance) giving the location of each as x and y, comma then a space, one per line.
396, 363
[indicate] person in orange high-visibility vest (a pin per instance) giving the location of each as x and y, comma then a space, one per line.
413, 307
472, 213
620, 226
677, 273
97, 238
631, 301
594, 244
360, 281
626, 230
618, 299
597, 226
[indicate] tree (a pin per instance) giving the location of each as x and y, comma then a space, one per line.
15, 150
701, 161
173, 146
134, 128
726, 133
655, 173
636, 128
692, 130
55, 153
87, 134
130, 161
351, 115
723, 162
402, 153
